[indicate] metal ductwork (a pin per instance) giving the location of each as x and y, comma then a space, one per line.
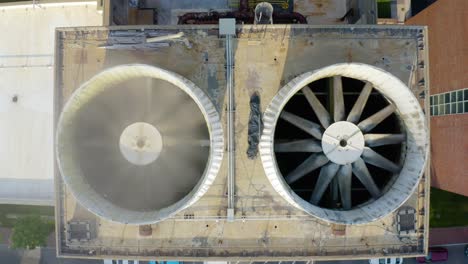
136, 144
347, 143
263, 13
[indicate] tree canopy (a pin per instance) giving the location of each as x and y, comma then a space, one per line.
30, 232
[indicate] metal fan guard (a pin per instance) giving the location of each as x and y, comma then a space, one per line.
407, 108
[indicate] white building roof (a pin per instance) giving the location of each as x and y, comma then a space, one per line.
26, 94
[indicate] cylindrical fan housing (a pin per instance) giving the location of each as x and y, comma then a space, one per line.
343, 143
136, 144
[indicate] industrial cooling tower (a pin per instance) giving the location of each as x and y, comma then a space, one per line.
242, 142
354, 161
136, 144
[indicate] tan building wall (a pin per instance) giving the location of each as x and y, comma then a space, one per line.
448, 55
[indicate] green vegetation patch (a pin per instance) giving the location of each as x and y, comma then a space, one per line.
384, 9
448, 209
30, 232
10, 213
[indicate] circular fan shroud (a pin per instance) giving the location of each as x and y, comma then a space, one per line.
70, 169
407, 108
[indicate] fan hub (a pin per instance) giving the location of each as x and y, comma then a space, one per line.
140, 143
343, 142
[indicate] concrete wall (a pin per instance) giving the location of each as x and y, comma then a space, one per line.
448, 55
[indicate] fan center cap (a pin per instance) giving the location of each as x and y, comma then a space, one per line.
343, 142
140, 143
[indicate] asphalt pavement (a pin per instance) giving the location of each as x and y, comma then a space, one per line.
455, 256
8, 256
48, 257
11, 256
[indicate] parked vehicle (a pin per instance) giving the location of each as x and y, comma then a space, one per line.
386, 261
435, 254
466, 250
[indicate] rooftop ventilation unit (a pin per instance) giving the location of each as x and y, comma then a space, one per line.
127, 149
346, 143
